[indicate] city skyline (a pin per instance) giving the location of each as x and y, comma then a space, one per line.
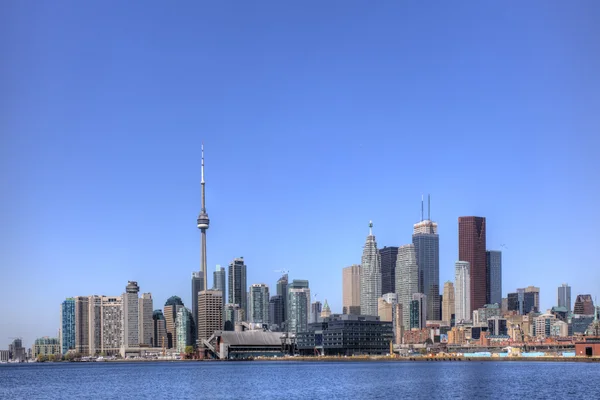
101, 154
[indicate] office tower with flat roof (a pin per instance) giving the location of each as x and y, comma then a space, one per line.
282, 285
494, 276
184, 329
418, 311
462, 288
370, 276
531, 299
145, 324
210, 313
172, 305
564, 296
448, 304
131, 315
82, 328
68, 325
197, 287
407, 280
112, 325
388, 256
298, 306
472, 249
237, 285
276, 313
95, 324
259, 303
584, 305
159, 330
219, 279
315, 311
351, 290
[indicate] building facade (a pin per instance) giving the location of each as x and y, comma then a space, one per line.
282, 285
472, 249
407, 280
145, 325
184, 328
564, 296
462, 298
351, 290
237, 285
370, 276
276, 313
584, 305
418, 311
219, 280
159, 330
210, 313
197, 287
388, 256
112, 325
259, 303
315, 311
131, 315
494, 276
46, 346
67, 325
427, 250
172, 305
448, 304
82, 327
298, 306
233, 315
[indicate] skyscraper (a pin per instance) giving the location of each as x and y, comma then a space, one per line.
159, 334
494, 276
197, 287
131, 315
315, 311
564, 296
237, 285
351, 290
219, 279
298, 306
259, 303
203, 223
210, 313
427, 250
112, 324
232, 316
95, 324
418, 305
276, 313
370, 276
407, 280
184, 325
531, 300
448, 303
67, 325
145, 326
172, 305
584, 305
388, 256
462, 297
282, 286
472, 249
82, 329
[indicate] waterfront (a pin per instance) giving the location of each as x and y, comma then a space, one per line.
299, 380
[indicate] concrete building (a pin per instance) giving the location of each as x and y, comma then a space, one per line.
351, 290
95, 324
259, 303
481, 315
159, 330
494, 276
67, 325
564, 296
245, 344
46, 346
584, 305
370, 276
82, 327
112, 325
448, 304
237, 285
407, 280
184, 329
462, 298
131, 315
145, 325
276, 313
543, 325
385, 310
472, 249
298, 306
418, 311
233, 315
315, 311
497, 326
172, 305
210, 313
388, 256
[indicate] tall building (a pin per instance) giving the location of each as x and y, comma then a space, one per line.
494, 276
462, 287
219, 279
112, 324
472, 249
298, 306
210, 313
448, 303
276, 313
564, 296
197, 287
370, 276
203, 223
184, 328
259, 303
388, 256
232, 316
584, 305
159, 328
418, 311
145, 325
407, 280
531, 300
282, 285
131, 315
67, 325
427, 250
95, 324
82, 328
172, 305
351, 290
237, 285
315, 311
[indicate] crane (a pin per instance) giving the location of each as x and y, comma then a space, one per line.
282, 271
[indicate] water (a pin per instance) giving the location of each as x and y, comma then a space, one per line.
301, 380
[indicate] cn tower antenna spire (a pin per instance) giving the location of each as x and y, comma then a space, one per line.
203, 223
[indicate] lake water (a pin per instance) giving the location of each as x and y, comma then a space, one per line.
301, 380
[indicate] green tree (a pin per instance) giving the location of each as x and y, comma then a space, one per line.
41, 358
52, 357
189, 351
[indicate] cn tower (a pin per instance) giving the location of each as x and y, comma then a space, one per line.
203, 222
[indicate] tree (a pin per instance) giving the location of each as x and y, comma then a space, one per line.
41, 358
189, 351
52, 357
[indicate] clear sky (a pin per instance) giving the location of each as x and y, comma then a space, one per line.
316, 118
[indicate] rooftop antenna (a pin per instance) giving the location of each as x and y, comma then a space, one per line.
421, 207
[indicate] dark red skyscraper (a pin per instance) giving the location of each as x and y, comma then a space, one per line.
471, 248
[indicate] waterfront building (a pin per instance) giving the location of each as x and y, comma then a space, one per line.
282, 285
159, 330
564, 296
472, 249
276, 313
298, 306
481, 315
584, 305
16, 351
326, 312
203, 223
259, 303
315, 311
448, 304
197, 287
82, 327
172, 305
462, 298
407, 280
95, 324
418, 311
237, 285
67, 325
5, 355
184, 328
233, 315
210, 313
370, 276
351, 290
145, 325
494, 276
46, 346
388, 256
426, 240
112, 325
131, 315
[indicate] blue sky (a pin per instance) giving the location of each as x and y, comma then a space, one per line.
316, 117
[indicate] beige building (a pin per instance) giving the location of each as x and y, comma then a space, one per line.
351, 290
95, 324
82, 329
210, 313
385, 310
112, 325
46, 346
145, 324
448, 303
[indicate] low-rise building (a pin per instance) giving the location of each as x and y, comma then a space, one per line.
46, 346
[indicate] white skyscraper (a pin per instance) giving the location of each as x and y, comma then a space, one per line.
462, 288
370, 276
407, 280
131, 315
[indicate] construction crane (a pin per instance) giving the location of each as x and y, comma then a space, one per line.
282, 271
